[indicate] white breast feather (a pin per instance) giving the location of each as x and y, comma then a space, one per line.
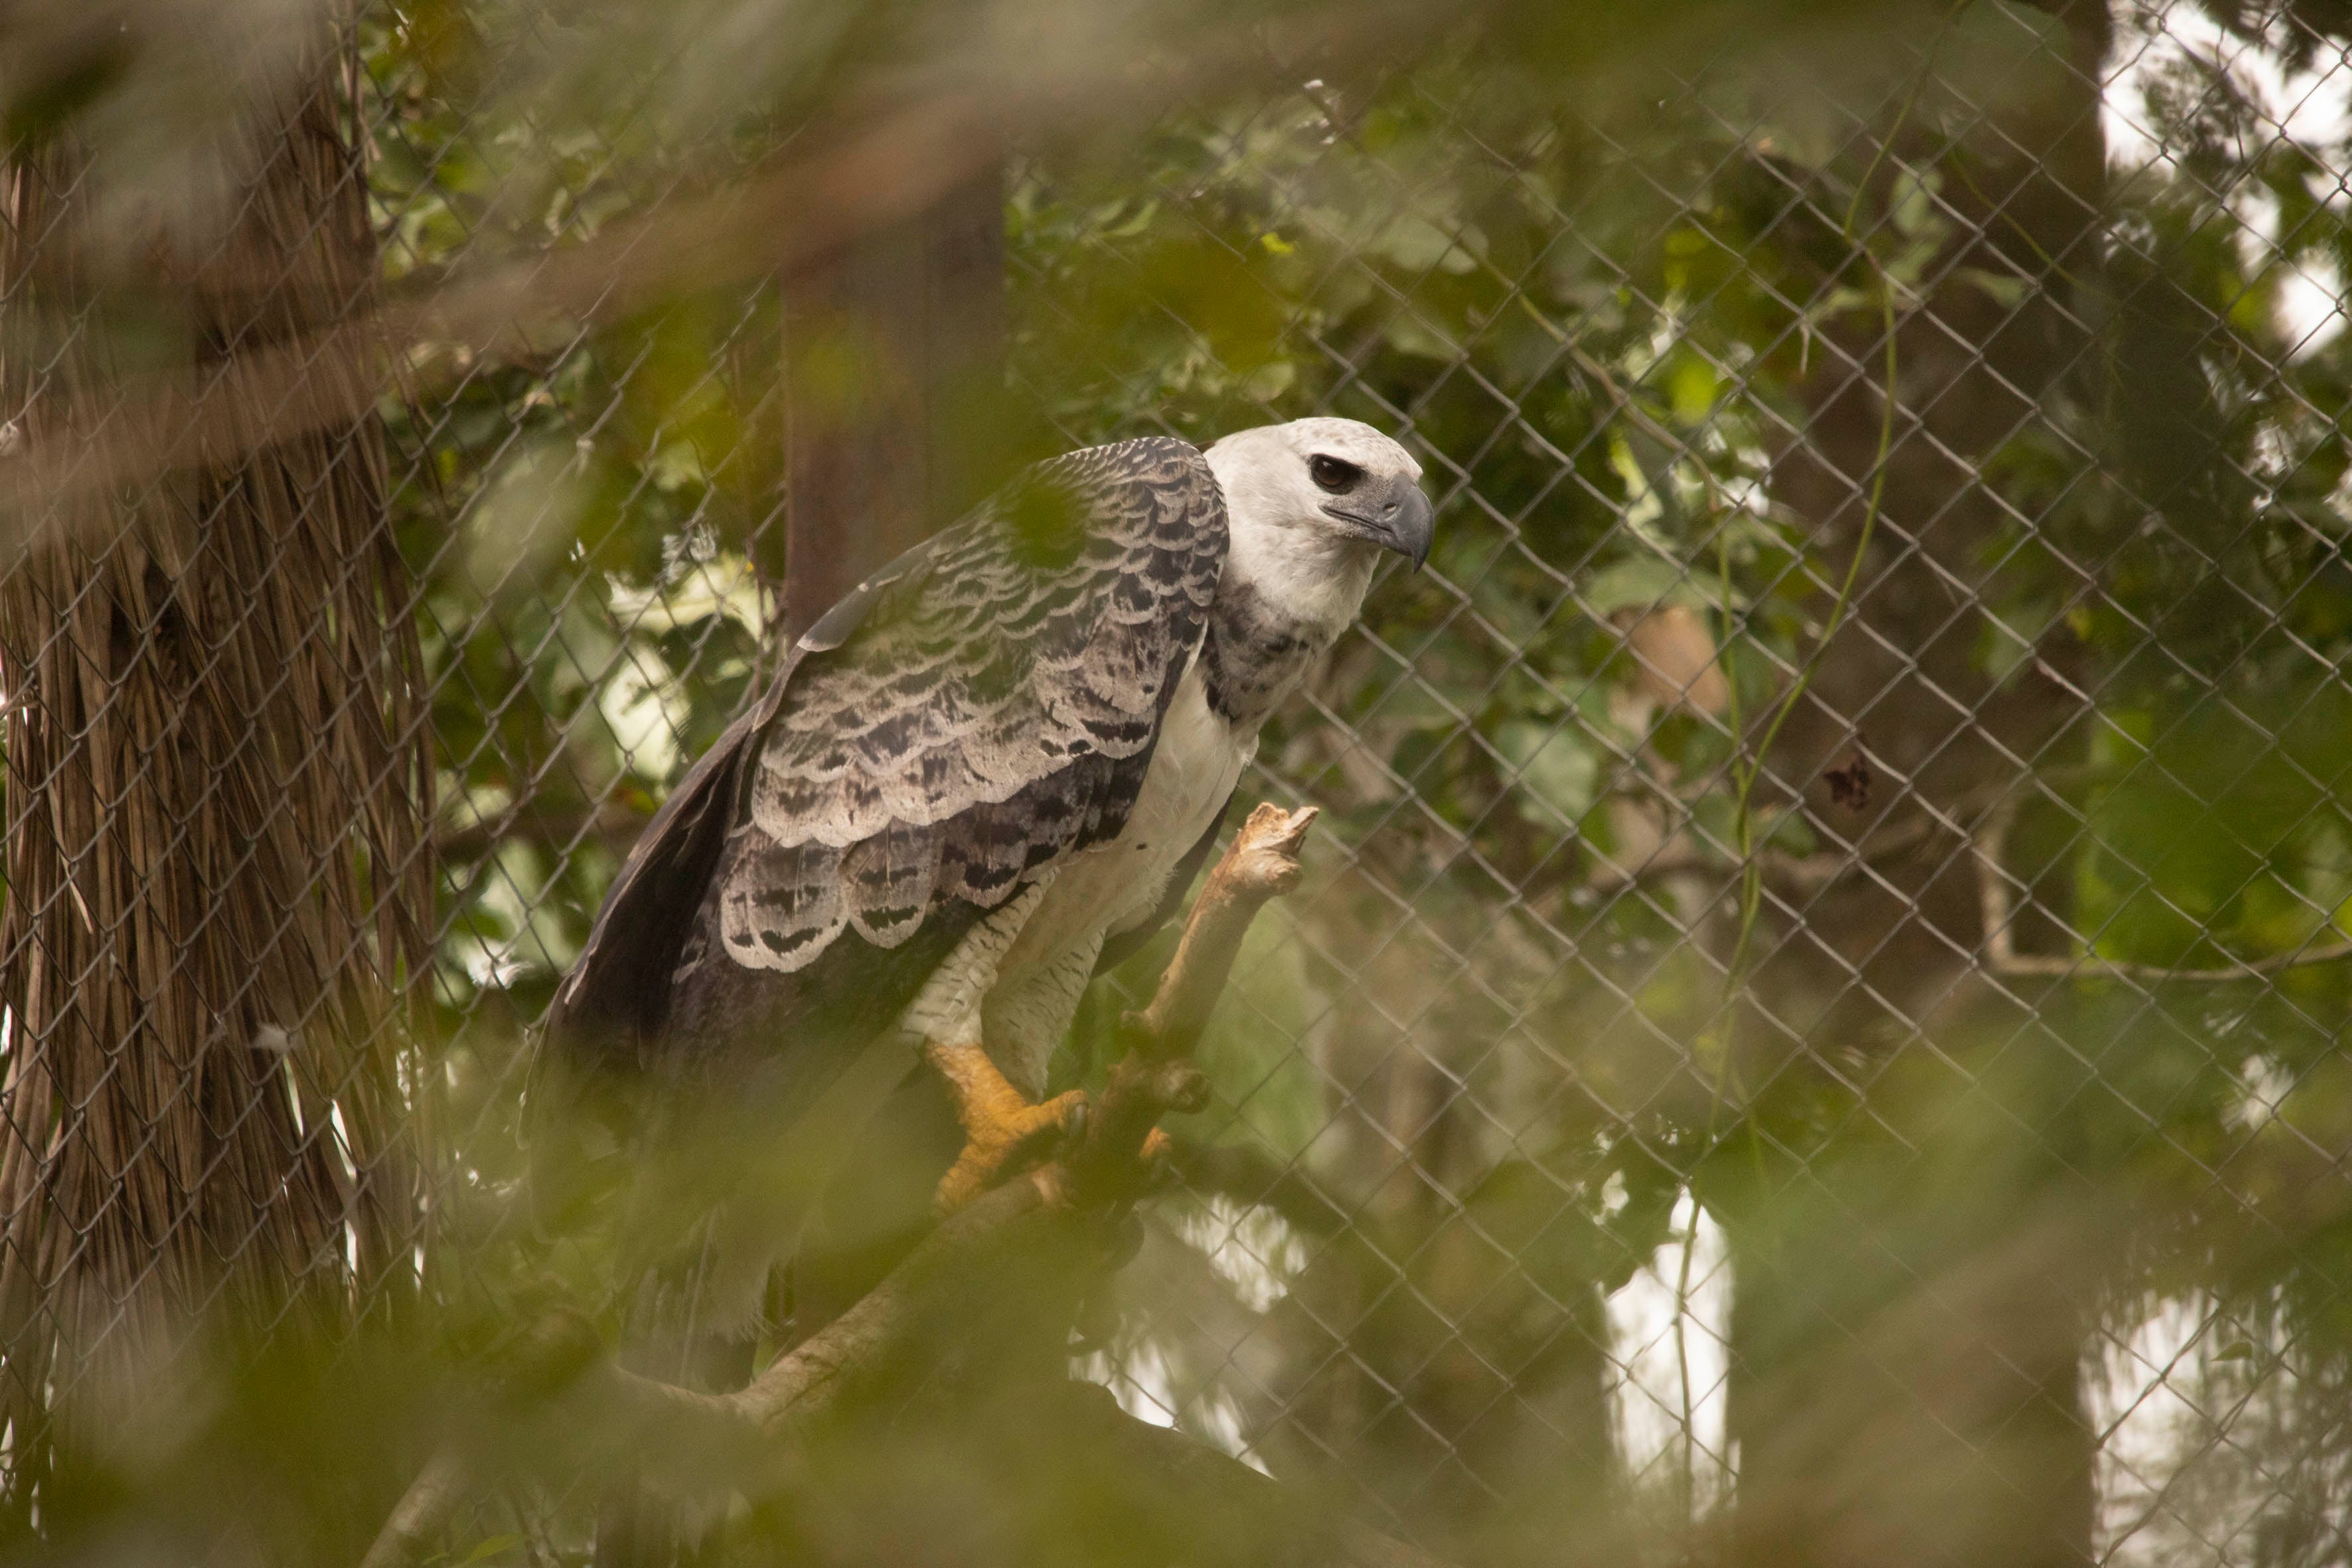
1115, 886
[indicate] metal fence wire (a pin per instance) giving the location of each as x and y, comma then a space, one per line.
1812, 1033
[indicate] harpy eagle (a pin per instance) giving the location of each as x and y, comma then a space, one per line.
989, 771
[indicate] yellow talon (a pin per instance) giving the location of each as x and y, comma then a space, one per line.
1002, 1129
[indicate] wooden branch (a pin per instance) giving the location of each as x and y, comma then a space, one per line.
1041, 1226
1261, 862
1157, 1076
1014, 1225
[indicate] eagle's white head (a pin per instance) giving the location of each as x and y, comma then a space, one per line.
1312, 505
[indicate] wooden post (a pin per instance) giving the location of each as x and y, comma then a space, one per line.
894, 375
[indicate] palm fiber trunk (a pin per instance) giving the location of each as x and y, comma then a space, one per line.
218, 784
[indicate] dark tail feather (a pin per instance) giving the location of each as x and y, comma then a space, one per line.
636, 1529
637, 1526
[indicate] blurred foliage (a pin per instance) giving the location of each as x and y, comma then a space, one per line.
1604, 314
1616, 279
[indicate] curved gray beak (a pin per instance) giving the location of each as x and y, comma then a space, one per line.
1401, 519
1414, 524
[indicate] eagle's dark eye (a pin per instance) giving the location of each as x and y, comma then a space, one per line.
1335, 474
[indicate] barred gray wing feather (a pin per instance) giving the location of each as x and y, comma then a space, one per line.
993, 713
616, 1004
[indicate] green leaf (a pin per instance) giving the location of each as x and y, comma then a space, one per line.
1646, 581
1554, 765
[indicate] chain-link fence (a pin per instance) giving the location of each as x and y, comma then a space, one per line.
1811, 1030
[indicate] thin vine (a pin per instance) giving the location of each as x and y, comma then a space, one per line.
1746, 764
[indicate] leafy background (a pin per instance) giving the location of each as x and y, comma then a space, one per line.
1812, 1032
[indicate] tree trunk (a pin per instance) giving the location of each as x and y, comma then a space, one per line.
219, 782
1864, 1440
894, 387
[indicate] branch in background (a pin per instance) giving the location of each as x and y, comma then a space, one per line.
424, 1509
2002, 956
613, 821
1250, 1517
888, 172
1995, 809
889, 153
1876, 842
1031, 1227
1684, 856
1251, 1177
